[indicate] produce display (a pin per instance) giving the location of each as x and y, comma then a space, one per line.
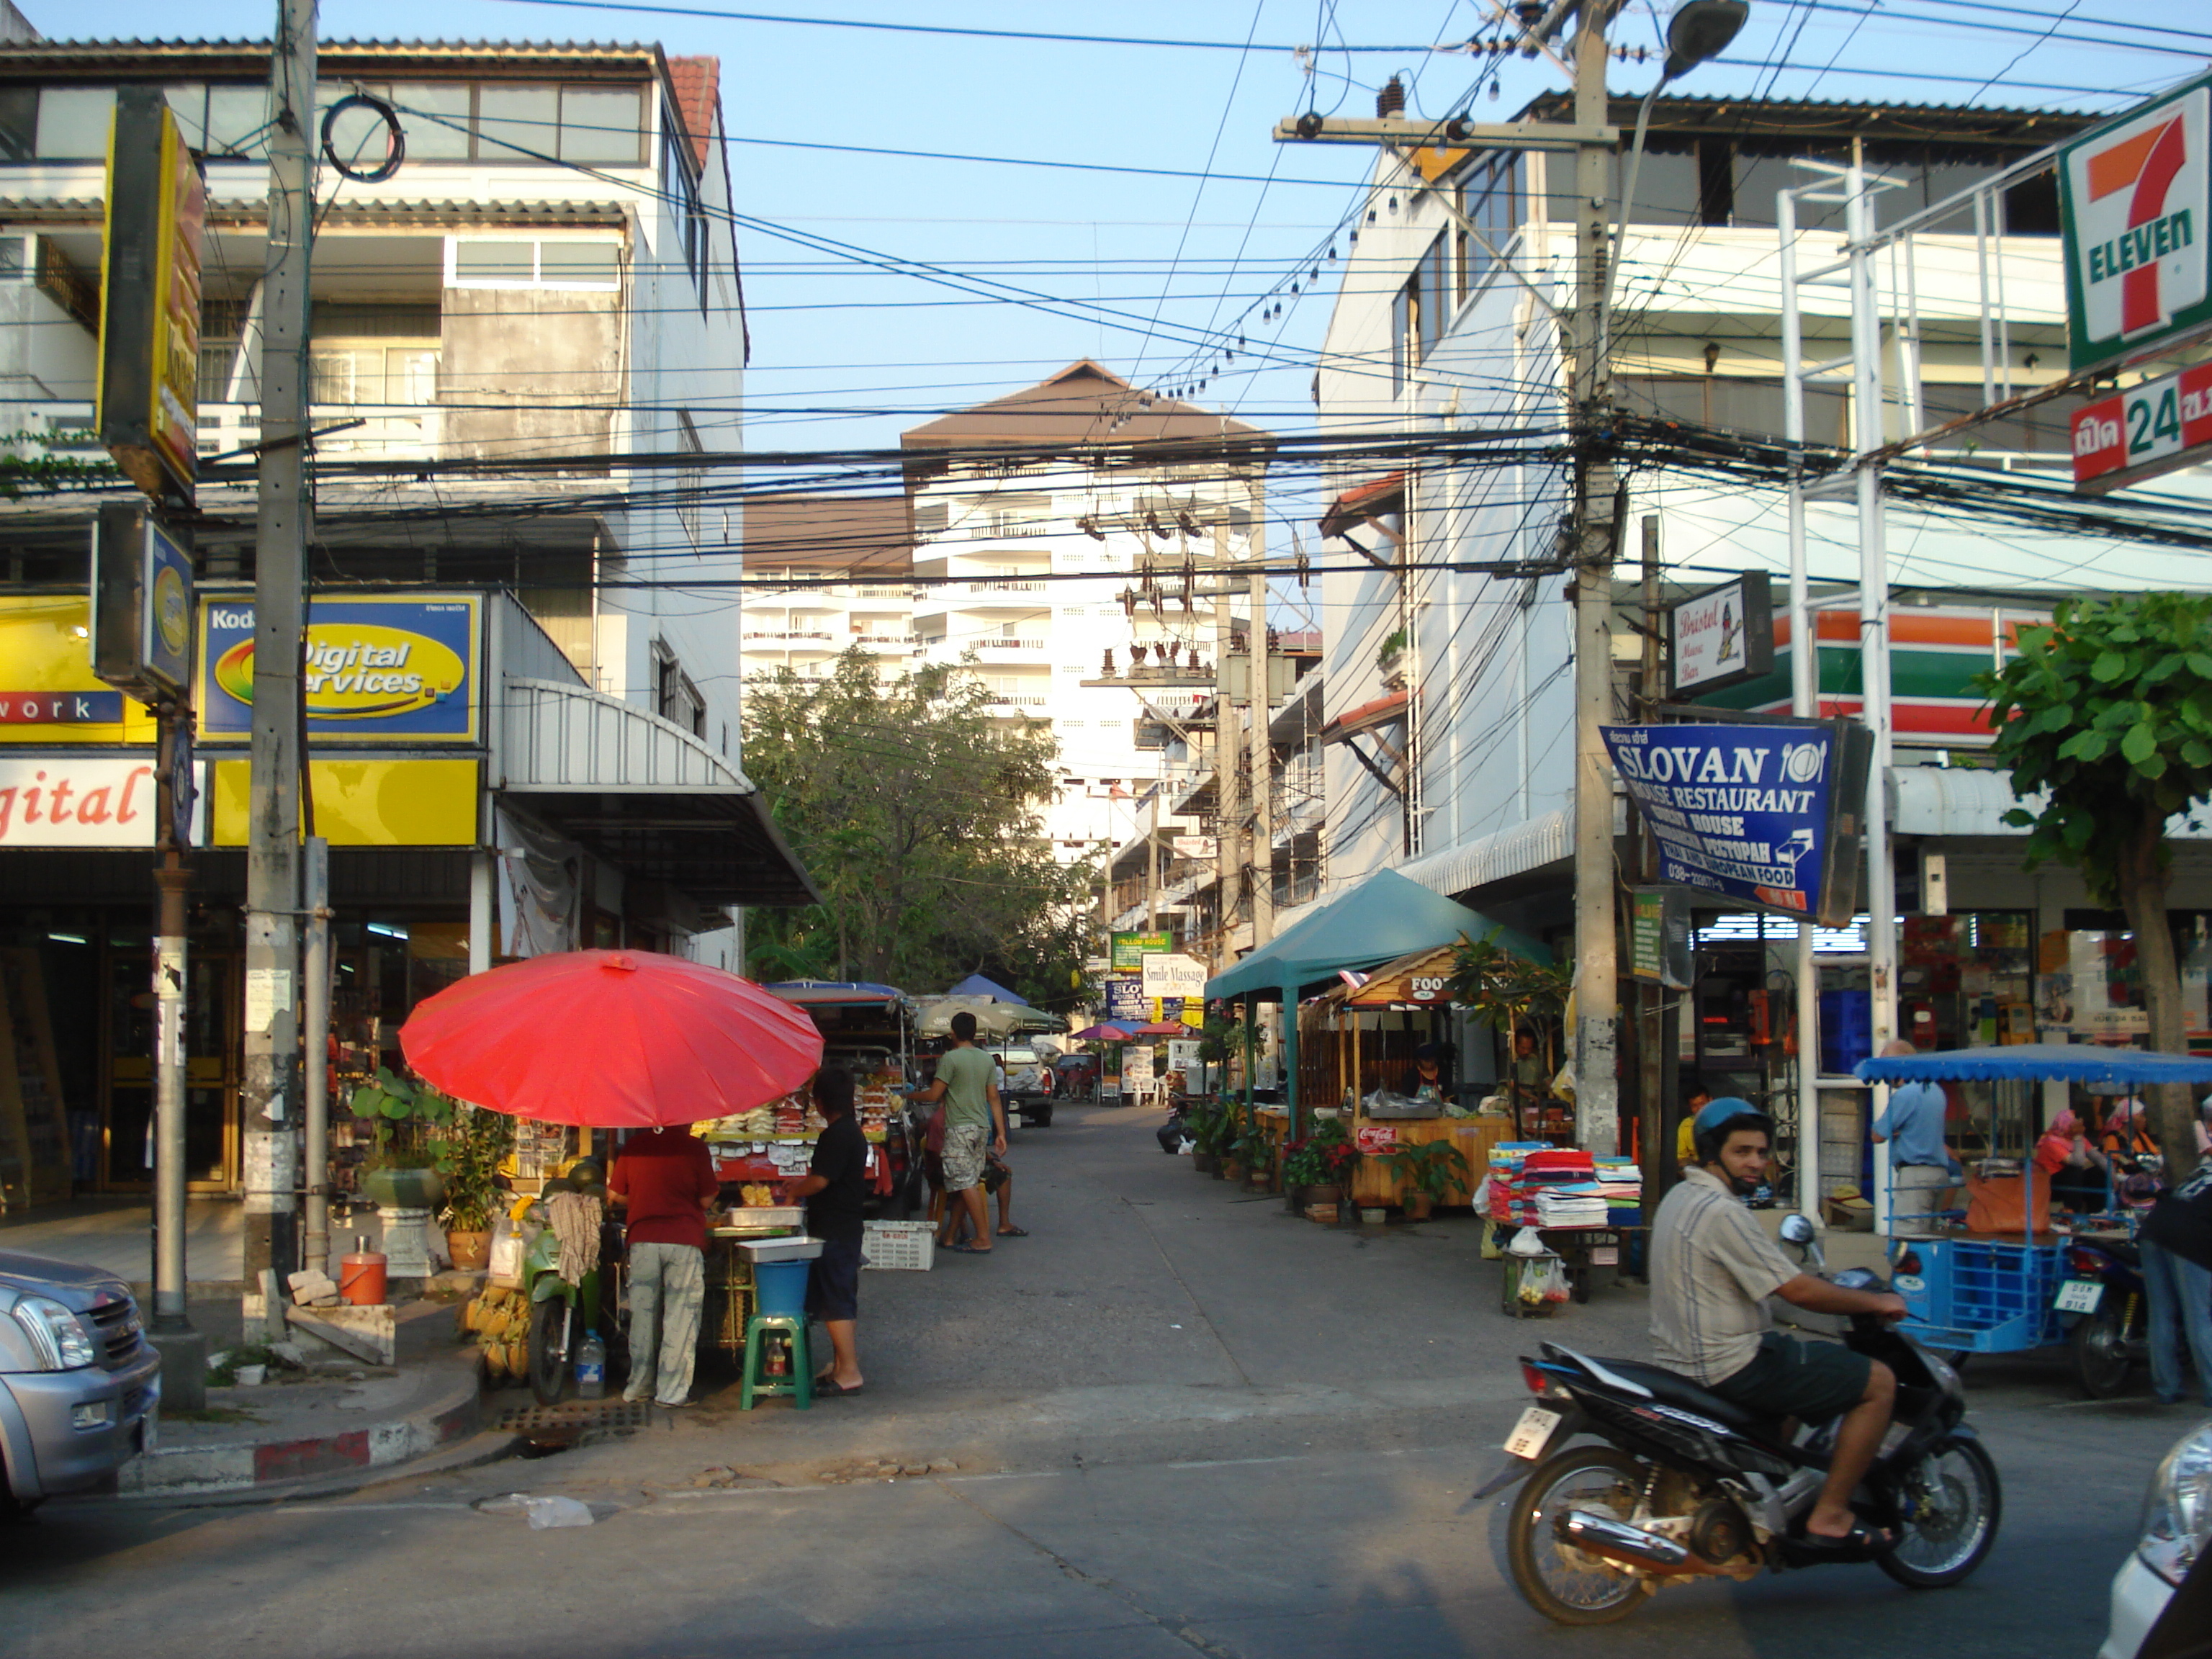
500, 1320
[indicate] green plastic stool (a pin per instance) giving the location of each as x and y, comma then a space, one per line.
799, 1384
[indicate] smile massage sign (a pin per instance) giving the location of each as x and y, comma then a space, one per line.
375, 670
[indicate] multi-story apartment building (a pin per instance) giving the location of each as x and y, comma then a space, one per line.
810, 540
548, 285
1058, 530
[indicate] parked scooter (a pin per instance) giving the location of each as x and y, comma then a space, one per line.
2104, 1293
563, 1312
1690, 1485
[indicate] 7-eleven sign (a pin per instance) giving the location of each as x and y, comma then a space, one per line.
2137, 199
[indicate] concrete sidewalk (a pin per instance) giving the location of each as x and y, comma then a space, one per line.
335, 1418
118, 1235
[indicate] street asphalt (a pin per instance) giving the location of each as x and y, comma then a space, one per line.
1173, 1418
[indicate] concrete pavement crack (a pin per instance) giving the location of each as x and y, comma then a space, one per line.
1182, 1630
1190, 1296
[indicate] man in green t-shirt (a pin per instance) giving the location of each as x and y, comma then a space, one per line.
968, 1084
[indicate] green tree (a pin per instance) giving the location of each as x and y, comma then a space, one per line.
2109, 708
917, 813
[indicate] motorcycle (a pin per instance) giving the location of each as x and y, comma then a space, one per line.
564, 1311
1688, 1485
2104, 1291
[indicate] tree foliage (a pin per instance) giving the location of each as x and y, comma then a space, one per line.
2109, 708
917, 813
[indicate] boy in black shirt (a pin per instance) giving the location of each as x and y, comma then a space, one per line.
834, 1189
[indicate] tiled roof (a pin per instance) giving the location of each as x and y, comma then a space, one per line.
698, 82
1084, 403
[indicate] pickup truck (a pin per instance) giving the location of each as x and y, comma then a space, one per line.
80, 1386
1025, 1086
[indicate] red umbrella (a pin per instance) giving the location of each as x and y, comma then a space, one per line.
1163, 1028
1099, 1034
612, 1040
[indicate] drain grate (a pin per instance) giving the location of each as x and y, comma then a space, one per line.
576, 1416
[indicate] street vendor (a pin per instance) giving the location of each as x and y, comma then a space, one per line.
664, 1181
835, 1192
1424, 1077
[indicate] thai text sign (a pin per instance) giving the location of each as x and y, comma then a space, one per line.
377, 670
2134, 200
1767, 815
2143, 431
149, 318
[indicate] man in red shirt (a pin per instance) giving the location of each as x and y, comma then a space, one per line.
663, 1183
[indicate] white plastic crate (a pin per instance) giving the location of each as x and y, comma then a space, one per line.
899, 1246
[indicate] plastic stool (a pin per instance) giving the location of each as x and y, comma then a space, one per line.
799, 1384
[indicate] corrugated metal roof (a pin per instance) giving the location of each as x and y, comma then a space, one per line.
1756, 124
599, 216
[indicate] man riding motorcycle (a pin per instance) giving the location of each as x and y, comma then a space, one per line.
1712, 1268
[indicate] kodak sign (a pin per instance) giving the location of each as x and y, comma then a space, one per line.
2137, 197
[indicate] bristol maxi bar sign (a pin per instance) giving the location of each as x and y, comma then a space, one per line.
1765, 817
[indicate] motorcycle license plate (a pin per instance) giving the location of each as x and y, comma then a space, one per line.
1532, 1433
2079, 1296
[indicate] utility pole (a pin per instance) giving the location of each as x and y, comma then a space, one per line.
1598, 986
1263, 787
1651, 1056
1153, 866
1228, 843
271, 1101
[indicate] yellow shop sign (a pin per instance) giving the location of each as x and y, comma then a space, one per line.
365, 803
375, 669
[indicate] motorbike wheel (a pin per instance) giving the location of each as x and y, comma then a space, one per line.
1950, 1506
1567, 1586
549, 1353
2100, 1355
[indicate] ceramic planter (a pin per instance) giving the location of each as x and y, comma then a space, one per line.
404, 1189
470, 1250
1417, 1205
1232, 1170
1206, 1163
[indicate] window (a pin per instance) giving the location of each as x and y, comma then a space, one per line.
929, 518
682, 186
691, 479
1418, 314
73, 123
507, 262
675, 697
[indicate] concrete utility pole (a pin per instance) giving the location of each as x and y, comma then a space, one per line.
1228, 846
1597, 988
270, 1102
1263, 790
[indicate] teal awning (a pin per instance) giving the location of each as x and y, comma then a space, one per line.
1385, 918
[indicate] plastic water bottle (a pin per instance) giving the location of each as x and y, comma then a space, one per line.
592, 1368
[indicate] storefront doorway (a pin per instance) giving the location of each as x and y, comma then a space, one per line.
211, 1079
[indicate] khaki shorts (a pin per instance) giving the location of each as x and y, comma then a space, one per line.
964, 1145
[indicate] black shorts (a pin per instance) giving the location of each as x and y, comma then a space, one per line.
833, 1281
1811, 1382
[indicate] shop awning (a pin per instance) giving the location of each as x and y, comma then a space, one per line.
1421, 980
1383, 918
2079, 1062
1525, 847
838, 993
977, 986
644, 794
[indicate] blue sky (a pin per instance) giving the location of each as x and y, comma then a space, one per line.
828, 336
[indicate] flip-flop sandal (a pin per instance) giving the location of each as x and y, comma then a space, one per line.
1861, 1543
968, 1249
830, 1385
1013, 1232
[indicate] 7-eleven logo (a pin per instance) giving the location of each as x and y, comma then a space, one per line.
2139, 224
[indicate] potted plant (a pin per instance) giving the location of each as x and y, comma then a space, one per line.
1430, 1172
1318, 1170
1388, 657
402, 1172
1235, 1128
468, 1158
1206, 1128
1257, 1153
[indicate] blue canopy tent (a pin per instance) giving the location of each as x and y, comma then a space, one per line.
2077, 1062
977, 986
1385, 917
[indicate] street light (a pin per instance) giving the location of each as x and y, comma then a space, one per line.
1698, 30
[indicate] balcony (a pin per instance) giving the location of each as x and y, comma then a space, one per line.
1003, 646
1005, 584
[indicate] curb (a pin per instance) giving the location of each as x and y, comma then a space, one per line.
454, 1414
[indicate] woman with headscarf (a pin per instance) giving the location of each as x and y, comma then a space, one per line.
2132, 1155
2078, 1172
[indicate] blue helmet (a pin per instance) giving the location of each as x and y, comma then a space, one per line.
1718, 1120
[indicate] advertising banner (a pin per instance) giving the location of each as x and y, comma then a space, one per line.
1169, 974
2142, 431
1767, 816
1722, 637
1204, 848
377, 670
77, 800
1659, 936
149, 318
1126, 1002
141, 604
1128, 951
48, 692
1137, 1069
365, 802
2134, 195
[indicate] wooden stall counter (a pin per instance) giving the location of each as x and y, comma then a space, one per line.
1376, 1182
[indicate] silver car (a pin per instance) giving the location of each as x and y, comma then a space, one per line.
80, 1386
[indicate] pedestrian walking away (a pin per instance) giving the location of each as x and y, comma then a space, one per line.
2177, 1270
974, 1128
663, 1183
836, 1190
